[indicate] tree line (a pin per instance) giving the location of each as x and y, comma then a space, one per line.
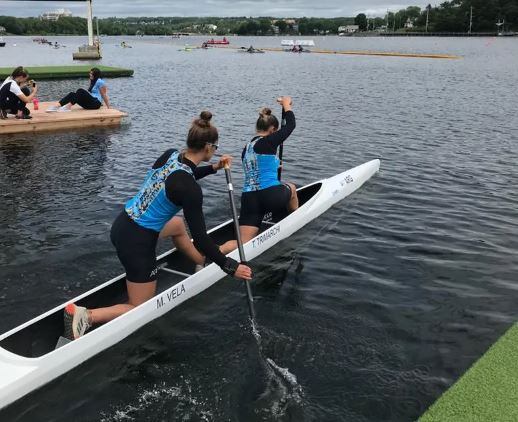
170, 25
449, 16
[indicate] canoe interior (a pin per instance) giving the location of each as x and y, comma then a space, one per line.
41, 337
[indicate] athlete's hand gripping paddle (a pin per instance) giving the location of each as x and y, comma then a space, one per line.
242, 257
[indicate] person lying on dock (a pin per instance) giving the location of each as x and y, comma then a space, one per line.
170, 186
13, 98
263, 192
90, 99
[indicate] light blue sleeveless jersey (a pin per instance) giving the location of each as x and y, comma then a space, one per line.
150, 207
260, 169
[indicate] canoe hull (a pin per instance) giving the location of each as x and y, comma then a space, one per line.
21, 375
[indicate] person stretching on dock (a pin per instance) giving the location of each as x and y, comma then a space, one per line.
89, 100
263, 192
170, 186
13, 99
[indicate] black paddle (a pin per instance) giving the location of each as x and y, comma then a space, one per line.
281, 147
242, 257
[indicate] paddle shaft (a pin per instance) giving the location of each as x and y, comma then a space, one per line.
242, 257
281, 147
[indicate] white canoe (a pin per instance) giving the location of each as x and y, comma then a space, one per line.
28, 358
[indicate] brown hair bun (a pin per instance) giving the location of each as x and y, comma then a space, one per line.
204, 120
265, 111
202, 132
206, 115
266, 120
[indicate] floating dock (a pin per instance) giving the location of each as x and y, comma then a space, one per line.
77, 118
487, 391
68, 72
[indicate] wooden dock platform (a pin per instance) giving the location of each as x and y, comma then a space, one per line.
68, 72
75, 119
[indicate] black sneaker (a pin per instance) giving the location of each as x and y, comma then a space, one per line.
24, 117
3, 114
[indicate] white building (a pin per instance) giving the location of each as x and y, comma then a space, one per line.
409, 24
56, 14
211, 28
348, 29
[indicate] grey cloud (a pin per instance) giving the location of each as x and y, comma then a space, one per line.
288, 8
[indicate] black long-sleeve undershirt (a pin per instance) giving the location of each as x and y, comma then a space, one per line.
268, 145
199, 172
183, 191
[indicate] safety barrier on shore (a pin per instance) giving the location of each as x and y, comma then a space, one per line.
68, 72
487, 391
75, 119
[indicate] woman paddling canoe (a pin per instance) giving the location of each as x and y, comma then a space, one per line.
169, 187
262, 191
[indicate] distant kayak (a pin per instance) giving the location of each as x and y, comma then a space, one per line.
250, 51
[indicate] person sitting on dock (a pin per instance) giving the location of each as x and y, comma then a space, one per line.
13, 98
89, 100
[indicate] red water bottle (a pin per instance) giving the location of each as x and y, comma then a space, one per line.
36, 103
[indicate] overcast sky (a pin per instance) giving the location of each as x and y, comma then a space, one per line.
286, 8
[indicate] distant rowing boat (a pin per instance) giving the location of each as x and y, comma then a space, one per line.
297, 46
29, 358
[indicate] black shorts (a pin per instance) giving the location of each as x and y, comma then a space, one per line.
255, 204
136, 249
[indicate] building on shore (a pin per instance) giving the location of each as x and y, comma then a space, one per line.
348, 29
409, 24
56, 14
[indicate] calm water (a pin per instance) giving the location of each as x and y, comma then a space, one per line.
376, 307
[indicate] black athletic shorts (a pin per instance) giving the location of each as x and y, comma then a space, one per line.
255, 204
136, 249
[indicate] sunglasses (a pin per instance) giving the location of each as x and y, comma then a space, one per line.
215, 146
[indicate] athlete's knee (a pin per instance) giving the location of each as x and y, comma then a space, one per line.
174, 227
293, 189
178, 225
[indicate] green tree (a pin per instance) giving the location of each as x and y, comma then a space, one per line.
361, 21
282, 25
